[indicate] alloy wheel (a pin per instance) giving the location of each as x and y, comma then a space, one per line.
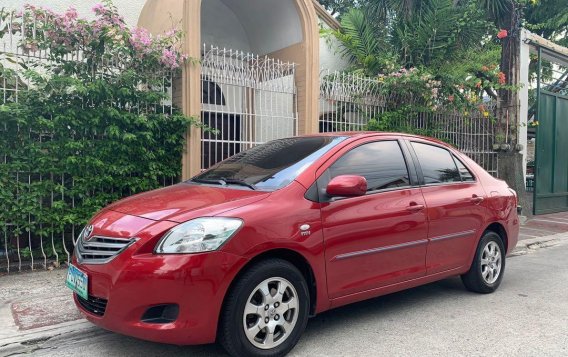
271, 313
491, 262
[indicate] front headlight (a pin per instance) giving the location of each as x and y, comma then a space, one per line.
198, 235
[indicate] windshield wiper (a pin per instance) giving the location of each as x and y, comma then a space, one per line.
224, 182
210, 182
239, 182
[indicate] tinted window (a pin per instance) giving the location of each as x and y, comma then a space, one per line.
436, 163
381, 163
465, 174
269, 166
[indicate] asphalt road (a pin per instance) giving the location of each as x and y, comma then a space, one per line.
527, 316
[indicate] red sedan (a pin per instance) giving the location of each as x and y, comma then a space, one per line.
245, 252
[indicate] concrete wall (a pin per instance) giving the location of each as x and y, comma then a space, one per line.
258, 26
221, 27
330, 57
130, 9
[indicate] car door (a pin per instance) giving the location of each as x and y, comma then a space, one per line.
377, 239
455, 209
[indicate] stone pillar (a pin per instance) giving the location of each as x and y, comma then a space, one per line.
524, 98
306, 56
191, 86
159, 16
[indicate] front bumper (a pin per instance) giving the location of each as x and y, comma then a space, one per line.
131, 284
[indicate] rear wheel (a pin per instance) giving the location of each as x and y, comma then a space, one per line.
488, 266
266, 311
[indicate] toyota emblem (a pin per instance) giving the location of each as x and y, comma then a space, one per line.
88, 232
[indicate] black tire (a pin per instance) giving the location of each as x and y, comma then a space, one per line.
474, 279
231, 327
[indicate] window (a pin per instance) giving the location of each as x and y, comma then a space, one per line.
436, 163
465, 174
269, 166
381, 163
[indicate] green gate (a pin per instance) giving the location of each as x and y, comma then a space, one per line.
551, 176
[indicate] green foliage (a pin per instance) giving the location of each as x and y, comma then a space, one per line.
93, 154
391, 35
439, 53
437, 31
87, 133
338, 7
549, 19
364, 44
397, 121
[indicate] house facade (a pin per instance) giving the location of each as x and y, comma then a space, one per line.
258, 75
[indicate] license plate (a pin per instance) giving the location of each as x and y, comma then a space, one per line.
77, 281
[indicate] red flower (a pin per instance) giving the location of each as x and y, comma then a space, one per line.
451, 98
502, 34
502, 78
478, 84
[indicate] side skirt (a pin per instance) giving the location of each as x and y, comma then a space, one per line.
389, 289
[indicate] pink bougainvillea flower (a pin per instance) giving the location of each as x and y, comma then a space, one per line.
169, 58
141, 39
98, 8
502, 34
71, 13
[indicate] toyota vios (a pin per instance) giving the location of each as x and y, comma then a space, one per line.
246, 251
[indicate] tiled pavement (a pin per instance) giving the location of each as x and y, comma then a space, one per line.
544, 225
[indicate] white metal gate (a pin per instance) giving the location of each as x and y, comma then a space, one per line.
247, 99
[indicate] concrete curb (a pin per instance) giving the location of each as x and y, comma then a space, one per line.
527, 246
30, 341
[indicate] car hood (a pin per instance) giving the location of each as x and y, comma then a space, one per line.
182, 202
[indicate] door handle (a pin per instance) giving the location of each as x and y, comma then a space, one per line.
477, 199
415, 207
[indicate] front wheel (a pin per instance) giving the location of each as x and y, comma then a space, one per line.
488, 265
266, 311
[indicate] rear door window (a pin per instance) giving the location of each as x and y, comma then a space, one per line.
465, 174
437, 164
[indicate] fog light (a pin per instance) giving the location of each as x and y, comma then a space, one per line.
161, 314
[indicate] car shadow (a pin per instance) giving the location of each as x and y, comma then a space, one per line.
390, 307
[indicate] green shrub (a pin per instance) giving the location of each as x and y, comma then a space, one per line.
86, 132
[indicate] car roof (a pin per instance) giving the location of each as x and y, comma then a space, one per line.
369, 134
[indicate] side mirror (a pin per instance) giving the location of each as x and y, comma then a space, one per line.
347, 186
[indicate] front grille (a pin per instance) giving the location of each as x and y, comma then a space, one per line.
100, 250
95, 306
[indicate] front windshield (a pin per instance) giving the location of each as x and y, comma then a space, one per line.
269, 166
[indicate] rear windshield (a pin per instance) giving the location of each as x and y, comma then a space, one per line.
269, 166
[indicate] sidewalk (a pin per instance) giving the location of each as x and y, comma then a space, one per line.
545, 225
36, 306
